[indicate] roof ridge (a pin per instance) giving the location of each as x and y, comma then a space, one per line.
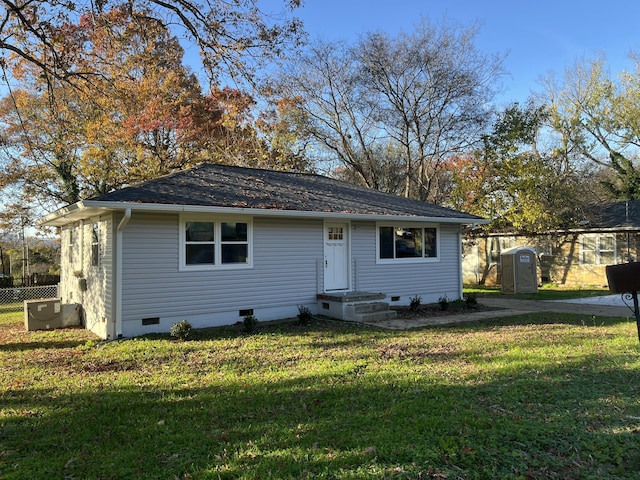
268, 170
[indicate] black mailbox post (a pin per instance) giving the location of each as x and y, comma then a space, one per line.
625, 279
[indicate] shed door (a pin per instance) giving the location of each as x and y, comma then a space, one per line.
508, 276
526, 272
336, 256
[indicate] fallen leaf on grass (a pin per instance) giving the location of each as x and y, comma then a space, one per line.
369, 451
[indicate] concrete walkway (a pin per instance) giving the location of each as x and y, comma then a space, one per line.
507, 307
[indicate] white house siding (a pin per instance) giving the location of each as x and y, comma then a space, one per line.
78, 273
70, 262
286, 253
430, 280
108, 269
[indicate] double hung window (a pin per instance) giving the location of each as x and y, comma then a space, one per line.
95, 245
210, 243
598, 249
71, 245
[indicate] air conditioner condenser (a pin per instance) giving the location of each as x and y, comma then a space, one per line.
42, 314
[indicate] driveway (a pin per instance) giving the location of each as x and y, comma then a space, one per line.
605, 306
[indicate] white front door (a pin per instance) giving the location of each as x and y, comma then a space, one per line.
336, 256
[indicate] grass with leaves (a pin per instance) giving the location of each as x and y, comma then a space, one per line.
528, 397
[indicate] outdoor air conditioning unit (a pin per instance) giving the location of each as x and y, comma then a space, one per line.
42, 314
71, 314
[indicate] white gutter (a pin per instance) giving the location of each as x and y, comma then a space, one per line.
118, 250
95, 206
61, 213
460, 274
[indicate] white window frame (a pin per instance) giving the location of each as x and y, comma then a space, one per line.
597, 240
401, 225
217, 225
71, 244
613, 251
96, 244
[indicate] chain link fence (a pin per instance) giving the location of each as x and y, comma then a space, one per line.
11, 299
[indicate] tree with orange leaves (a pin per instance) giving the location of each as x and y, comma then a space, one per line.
142, 116
233, 38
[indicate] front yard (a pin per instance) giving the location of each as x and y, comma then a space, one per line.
529, 397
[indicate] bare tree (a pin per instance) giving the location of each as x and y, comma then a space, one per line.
392, 109
323, 87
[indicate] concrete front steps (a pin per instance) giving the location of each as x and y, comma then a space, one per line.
364, 307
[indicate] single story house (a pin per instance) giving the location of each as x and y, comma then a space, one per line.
574, 256
216, 243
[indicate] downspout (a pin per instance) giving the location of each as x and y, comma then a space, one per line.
83, 268
461, 294
121, 226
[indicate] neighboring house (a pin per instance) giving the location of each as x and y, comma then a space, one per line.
609, 234
216, 243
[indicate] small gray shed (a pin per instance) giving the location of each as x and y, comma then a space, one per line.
519, 270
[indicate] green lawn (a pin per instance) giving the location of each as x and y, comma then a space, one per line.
529, 397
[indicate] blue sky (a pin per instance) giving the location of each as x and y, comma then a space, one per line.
538, 36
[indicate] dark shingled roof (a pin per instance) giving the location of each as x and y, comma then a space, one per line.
238, 187
615, 215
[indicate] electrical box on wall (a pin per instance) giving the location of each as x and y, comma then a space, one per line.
42, 314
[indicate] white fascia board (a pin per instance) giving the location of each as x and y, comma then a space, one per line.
72, 213
91, 208
58, 217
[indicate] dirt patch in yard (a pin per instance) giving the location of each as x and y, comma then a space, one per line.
436, 310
